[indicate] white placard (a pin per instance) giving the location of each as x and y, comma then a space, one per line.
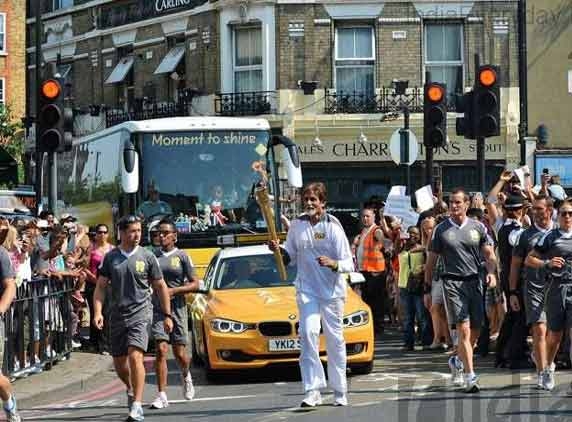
424, 198
520, 172
397, 191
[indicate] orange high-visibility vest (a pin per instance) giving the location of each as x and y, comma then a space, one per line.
373, 259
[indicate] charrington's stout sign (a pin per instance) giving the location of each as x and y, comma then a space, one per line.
114, 14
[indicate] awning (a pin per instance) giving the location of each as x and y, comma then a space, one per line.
171, 60
121, 70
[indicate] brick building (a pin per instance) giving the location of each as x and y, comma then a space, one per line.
321, 72
13, 56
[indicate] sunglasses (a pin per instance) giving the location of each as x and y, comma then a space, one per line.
165, 232
101, 232
566, 213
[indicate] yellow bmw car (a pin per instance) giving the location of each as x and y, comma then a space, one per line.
247, 317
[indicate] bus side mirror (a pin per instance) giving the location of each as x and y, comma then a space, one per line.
291, 160
130, 168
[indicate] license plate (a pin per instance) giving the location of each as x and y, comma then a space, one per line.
283, 344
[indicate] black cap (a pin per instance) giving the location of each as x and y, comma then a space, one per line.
514, 202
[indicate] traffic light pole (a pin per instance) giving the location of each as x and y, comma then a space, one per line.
405, 148
481, 164
38, 58
522, 80
53, 186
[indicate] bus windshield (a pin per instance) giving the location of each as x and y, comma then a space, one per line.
203, 180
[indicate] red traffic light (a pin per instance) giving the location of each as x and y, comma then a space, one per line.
51, 89
487, 77
435, 93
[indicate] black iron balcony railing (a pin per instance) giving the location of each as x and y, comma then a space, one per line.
144, 109
245, 103
152, 111
385, 100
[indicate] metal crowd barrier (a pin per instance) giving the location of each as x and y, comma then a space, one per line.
38, 325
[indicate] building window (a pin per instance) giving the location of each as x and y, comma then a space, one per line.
444, 55
247, 59
355, 60
3, 32
61, 4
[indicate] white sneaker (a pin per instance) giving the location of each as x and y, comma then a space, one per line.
472, 384
12, 414
540, 380
312, 398
456, 367
188, 387
340, 399
75, 344
136, 413
160, 402
548, 381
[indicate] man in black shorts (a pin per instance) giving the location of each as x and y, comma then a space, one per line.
130, 271
462, 243
181, 279
527, 286
553, 253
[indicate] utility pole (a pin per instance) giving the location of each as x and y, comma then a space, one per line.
522, 80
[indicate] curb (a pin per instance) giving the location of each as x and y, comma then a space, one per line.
57, 379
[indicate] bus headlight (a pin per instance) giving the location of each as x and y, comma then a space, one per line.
356, 319
229, 326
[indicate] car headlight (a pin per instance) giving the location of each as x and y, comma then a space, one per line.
356, 319
229, 326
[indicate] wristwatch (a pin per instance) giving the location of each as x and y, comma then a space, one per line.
169, 316
514, 292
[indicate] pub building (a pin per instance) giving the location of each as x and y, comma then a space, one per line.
333, 75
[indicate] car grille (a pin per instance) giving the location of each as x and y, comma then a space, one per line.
275, 328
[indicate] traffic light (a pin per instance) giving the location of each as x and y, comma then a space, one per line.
435, 115
465, 125
486, 102
55, 122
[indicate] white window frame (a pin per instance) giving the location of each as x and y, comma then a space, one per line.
349, 60
451, 63
3, 91
235, 67
3, 34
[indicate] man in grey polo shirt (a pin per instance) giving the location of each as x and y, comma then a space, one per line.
130, 271
553, 253
462, 243
527, 285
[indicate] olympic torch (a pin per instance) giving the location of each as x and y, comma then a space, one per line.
264, 203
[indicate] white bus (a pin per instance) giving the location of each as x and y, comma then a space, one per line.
199, 171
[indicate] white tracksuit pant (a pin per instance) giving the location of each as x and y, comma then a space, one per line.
330, 312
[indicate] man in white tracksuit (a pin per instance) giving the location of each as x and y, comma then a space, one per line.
317, 244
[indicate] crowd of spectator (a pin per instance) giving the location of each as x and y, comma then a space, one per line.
45, 252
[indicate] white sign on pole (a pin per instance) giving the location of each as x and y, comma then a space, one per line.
395, 148
424, 198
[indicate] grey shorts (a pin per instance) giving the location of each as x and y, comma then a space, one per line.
493, 296
464, 301
180, 333
437, 292
2, 341
131, 332
534, 302
559, 306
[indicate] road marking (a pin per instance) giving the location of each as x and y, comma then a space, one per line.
367, 403
211, 399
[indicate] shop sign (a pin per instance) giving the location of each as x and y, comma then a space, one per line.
378, 150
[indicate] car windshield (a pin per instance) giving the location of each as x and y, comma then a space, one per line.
203, 180
250, 272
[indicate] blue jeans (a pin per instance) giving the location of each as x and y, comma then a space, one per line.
413, 308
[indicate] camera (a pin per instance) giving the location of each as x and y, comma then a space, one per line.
545, 171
